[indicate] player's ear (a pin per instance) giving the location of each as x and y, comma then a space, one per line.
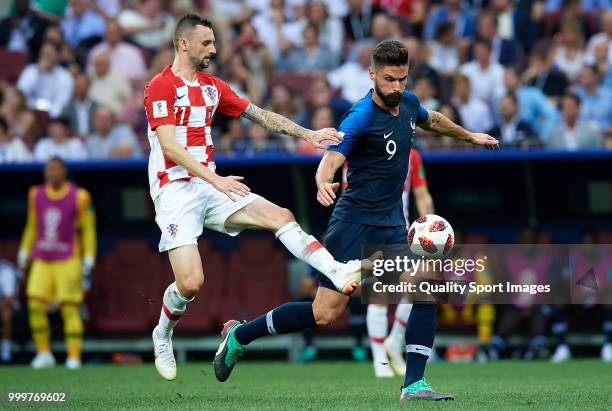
183, 43
372, 72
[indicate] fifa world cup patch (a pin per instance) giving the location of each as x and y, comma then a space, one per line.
172, 230
160, 109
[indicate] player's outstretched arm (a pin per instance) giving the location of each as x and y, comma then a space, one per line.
326, 188
174, 151
424, 201
439, 123
278, 124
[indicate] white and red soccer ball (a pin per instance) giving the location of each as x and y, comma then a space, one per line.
431, 236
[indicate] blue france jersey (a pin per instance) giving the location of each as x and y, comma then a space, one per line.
376, 145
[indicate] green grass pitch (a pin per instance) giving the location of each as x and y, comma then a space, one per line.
581, 385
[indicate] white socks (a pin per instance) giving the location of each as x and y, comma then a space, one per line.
305, 247
402, 312
376, 322
173, 307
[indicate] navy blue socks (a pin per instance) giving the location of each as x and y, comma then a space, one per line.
419, 340
284, 319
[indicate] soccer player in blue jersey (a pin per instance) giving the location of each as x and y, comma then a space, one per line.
378, 134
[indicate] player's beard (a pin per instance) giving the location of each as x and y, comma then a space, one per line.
391, 99
199, 64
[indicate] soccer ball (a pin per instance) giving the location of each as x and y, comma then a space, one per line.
431, 236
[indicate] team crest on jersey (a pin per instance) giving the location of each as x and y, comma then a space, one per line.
172, 230
210, 95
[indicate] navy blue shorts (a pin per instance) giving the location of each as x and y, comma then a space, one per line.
344, 241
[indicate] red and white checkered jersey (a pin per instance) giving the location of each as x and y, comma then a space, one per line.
415, 178
190, 106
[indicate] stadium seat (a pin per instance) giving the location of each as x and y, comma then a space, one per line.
476, 238
8, 250
12, 64
258, 275
42, 121
126, 290
605, 237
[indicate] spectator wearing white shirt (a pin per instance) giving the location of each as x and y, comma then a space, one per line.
444, 50
125, 58
425, 90
572, 133
353, 77
59, 143
82, 25
12, 148
569, 55
147, 24
475, 114
311, 58
271, 27
24, 30
81, 108
112, 140
109, 88
486, 76
330, 29
46, 85
603, 37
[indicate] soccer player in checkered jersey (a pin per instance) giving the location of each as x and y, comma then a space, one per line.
188, 194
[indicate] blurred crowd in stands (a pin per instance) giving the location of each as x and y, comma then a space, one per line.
533, 73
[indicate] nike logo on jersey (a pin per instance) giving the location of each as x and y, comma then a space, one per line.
180, 97
386, 135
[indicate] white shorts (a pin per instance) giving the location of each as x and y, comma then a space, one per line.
8, 279
183, 208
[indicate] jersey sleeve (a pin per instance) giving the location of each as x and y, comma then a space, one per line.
230, 103
86, 221
353, 125
422, 113
29, 232
159, 98
417, 171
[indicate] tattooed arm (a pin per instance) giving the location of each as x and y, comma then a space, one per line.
440, 124
278, 124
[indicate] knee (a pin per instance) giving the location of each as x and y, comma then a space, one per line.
283, 216
326, 315
190, 286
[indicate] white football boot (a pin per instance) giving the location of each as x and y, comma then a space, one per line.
395, 352
345, 276
164, 356
562, 354
73, 363
606, 352
43, 360
383, 370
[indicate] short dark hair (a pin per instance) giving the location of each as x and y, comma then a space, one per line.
574, 97
61, 119
483, 42
593, 67
511, 97
188, 22
389, 53
59, 160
